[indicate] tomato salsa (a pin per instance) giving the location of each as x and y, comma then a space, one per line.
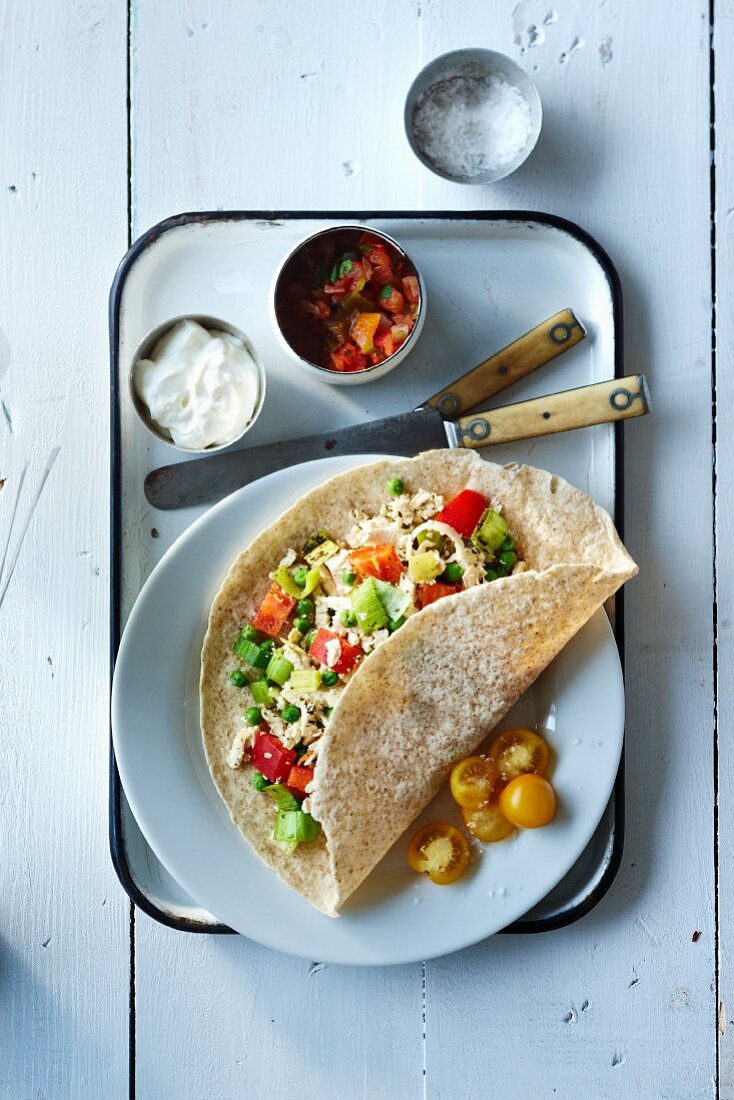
347, 301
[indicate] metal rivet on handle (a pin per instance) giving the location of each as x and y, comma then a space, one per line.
560, 333
477, 429
621, 398
448, 404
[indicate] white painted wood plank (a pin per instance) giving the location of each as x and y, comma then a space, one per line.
220, 121
64, 955
223, 117
724, 166
511, 1013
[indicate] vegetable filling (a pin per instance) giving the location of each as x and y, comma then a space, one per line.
329, 604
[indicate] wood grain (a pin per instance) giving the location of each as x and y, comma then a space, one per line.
262, 106
64, 941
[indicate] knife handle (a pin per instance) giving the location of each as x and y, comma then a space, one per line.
539, 346
601, 403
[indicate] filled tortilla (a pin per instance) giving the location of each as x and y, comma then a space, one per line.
427, 686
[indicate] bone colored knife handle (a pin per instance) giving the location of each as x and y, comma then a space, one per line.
539, 346
601, 403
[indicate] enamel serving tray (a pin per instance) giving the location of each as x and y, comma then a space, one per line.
490, 277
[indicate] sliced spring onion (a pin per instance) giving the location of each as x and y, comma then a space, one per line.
433, 538
492, 531
305, 679
259, 781
287, 581
281, 796
250, 653
320, 553
395, 624
366, 604
295, 825
313, 579
279, 669
425, 566
260, 692
288, 846
393, 599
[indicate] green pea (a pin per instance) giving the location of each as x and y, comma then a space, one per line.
491, 575
508, 558
348, 618
328, 711
259, 781
267, 645
395, 624
329, 677
250, 633
299, 575
508, 544
253, 716
303, 624
238, 678
291, 713
395, 487
305, 608
501, 569
349, 578
308, 640
453, 572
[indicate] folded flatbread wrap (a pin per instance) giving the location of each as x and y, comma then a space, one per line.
432, 691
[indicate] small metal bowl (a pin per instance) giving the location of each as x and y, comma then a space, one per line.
472, 65
145, 349
344, 236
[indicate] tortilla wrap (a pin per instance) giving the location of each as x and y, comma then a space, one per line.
431, 693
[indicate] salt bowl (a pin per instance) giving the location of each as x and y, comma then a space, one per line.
472, 116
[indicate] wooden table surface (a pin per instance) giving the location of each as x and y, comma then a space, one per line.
113, 118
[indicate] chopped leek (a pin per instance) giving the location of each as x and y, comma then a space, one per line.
313, 579
425, 566
366, 604
305, 679
492, 531
322, 552
259, 781
314, 539
281, 796
279, 669
287, 581
250, 653
294, 825
431, 536
260, 692
393, 599
288, 846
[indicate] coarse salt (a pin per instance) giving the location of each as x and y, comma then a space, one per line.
469, 125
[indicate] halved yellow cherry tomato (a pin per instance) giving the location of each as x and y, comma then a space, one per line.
517, 752
439, 851
528, 801
487, 823
472, 781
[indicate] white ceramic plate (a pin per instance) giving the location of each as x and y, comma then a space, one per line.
396, 916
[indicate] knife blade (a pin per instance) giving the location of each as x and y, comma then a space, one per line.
175, 486
200, 482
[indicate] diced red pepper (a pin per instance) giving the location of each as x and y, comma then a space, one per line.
348, 358
429, 593
464, 512
270, 756
298, 779
348, 655
381, 562
273, 611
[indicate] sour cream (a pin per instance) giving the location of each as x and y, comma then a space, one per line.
201, 387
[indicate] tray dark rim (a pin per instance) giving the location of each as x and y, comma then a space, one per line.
117, 848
